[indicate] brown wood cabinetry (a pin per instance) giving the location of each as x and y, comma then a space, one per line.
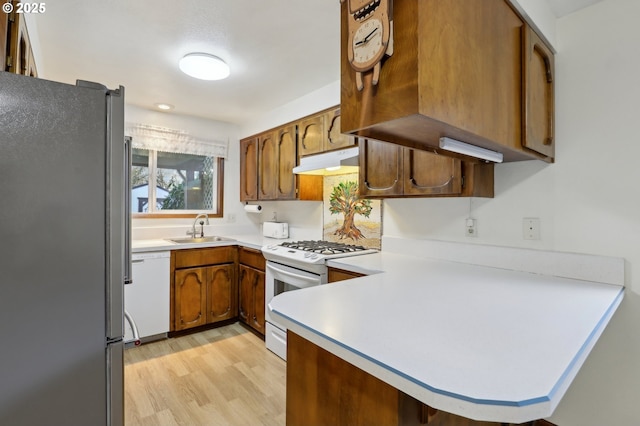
249, 169
4, 40
251, 277
204, 286
538, 68
17, 52
335, 275
321, 132
266, 168
390, 170
457, 71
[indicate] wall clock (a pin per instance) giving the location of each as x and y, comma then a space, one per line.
370, 28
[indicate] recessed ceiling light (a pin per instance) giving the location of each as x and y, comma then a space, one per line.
204, 66
164, 107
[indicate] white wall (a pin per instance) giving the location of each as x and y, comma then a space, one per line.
588, 201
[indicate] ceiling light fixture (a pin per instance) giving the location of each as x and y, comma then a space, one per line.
164, 107
204, 66
471, 150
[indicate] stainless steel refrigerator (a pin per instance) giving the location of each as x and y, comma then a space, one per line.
64, 252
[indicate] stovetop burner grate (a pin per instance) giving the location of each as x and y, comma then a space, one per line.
323, 247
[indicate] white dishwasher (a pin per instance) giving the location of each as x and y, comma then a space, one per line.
146, 299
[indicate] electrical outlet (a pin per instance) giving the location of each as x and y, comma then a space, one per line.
231, 217
471, 230
531, 228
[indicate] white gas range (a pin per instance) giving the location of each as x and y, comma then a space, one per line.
294, 266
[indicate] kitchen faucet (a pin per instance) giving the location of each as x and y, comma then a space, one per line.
193, 232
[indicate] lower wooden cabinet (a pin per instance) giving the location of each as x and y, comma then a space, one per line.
251, 279
204, 286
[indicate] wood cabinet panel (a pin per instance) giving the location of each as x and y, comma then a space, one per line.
380, 169
19, 58
311, 135
252, 258
252, 297
249, 169
222, 293
267, 166
286, 154
538, 65
205, 256
430, 174
190, 298
4, 40
335, 275
335, 138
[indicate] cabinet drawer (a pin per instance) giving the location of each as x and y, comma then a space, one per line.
205, 256
251, 257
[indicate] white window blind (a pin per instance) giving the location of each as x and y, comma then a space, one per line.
163, 139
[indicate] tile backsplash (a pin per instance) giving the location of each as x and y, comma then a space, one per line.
346, 217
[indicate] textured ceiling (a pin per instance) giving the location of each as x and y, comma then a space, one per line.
278, 50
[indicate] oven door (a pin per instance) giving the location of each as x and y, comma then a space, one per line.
279, 279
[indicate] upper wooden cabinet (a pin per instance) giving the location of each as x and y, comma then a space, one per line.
456, 70
266, 164
17, 54
390, 170
538, 68
4, 40
321, 132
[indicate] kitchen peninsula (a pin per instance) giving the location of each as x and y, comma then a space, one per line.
496, 340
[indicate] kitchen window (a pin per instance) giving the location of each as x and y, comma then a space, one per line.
174, 174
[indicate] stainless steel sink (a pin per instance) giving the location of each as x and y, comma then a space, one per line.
190, 240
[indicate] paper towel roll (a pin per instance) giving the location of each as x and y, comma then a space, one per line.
253, 208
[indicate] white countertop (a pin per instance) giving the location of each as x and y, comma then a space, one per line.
254, 241
482, 342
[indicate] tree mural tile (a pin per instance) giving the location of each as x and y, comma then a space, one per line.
348, 218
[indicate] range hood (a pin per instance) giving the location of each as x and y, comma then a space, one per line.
336, 162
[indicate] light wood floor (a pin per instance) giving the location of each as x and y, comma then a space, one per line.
223, 376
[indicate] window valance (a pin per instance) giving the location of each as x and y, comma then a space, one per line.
169, 140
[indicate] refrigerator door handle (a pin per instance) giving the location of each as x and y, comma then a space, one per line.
118, 259
128, 274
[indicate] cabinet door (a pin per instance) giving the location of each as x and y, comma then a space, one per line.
380, 169
249, 169
287, 148
311, 135
190, 298
257, 321
539, 95
431, 174
335, 139
222, 293
267, 166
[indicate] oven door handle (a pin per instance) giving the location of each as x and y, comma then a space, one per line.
312, 281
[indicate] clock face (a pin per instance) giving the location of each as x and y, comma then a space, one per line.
367, 44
